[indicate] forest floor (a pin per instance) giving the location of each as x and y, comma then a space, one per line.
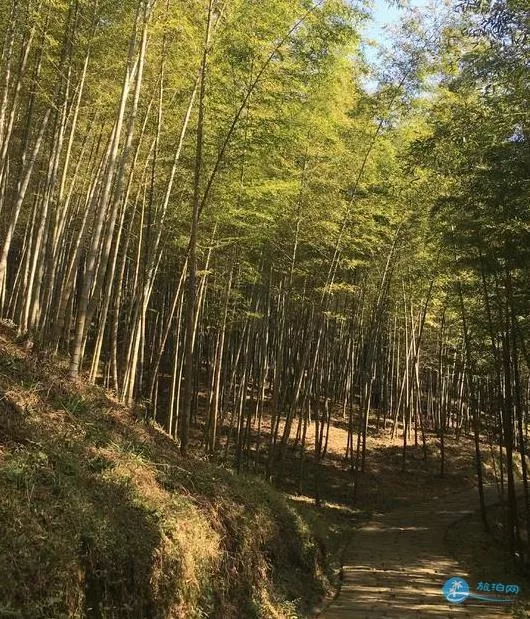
383, 486
415, 529
407, 531
99, 511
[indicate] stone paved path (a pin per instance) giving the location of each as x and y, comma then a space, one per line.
398, 562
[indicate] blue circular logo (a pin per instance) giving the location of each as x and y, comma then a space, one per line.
455, 590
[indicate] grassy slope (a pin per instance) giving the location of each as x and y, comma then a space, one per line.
100, 517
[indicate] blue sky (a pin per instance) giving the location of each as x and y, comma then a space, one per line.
385, 14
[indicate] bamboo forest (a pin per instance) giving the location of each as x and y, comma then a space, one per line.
264, 308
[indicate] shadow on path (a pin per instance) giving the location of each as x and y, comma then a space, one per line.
398, 562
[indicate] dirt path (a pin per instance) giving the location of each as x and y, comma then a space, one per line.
398, 562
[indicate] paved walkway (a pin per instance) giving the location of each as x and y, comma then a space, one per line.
398, 562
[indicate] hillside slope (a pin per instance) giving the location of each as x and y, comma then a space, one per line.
101, 517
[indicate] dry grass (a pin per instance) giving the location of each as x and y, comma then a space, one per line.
102, 518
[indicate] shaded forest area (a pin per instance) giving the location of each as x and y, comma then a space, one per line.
221, 214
